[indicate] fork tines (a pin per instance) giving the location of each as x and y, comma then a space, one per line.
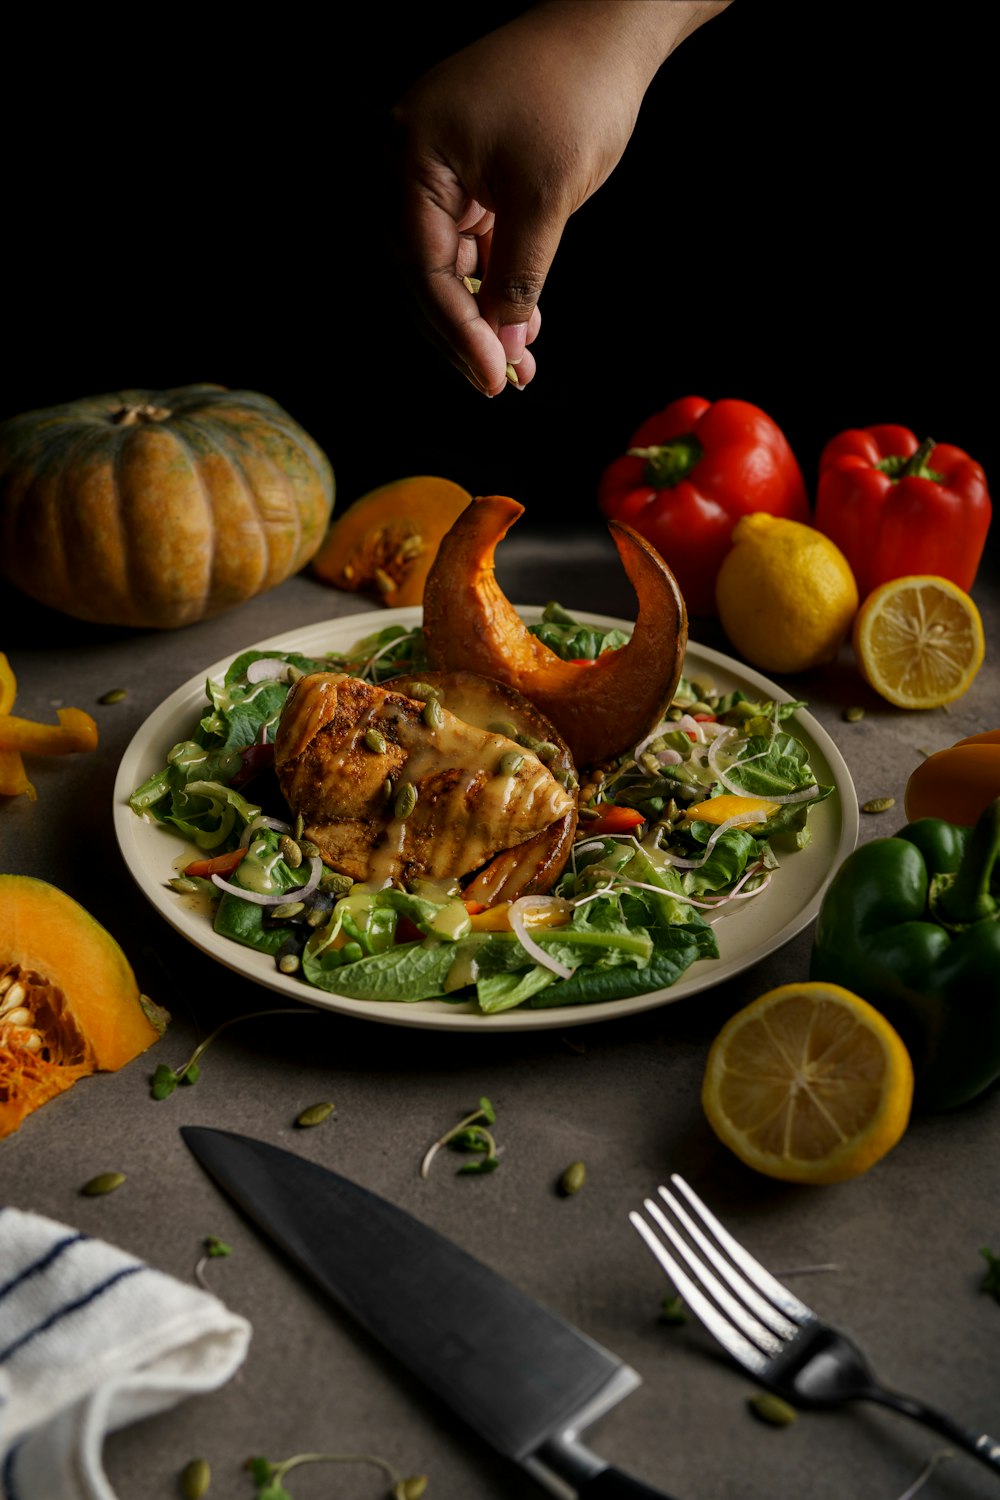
756, 1323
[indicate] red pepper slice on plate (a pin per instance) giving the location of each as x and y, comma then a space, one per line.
895, 506
613, 819
690, 473
219, 864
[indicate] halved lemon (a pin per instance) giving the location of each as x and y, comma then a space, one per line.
808, 1083
918, 641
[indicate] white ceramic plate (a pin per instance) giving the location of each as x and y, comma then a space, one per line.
154, 855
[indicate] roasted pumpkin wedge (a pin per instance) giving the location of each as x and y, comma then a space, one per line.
533, 867
69, 1001
600, 708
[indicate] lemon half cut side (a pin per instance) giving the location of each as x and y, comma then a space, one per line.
808, 1083
918, 641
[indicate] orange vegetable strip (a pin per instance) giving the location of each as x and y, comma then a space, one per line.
13, 777
8, 685
220, 864
76, 730
613, 820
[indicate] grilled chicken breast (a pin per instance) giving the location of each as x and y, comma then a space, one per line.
392, 789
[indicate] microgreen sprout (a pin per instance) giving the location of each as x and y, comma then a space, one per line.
672, 1310
469, 1135
991, 1281
268, 1477
212, 1249
166, 1079
925, 1473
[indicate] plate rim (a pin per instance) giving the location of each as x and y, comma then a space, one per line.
192, 924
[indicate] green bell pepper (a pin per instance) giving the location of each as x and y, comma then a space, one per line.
912, 925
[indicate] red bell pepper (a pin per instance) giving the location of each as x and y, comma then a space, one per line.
690, 473
896, 507
614, 819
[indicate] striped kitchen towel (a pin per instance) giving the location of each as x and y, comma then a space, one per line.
90, 1340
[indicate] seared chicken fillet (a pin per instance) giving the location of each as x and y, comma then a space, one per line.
345, 754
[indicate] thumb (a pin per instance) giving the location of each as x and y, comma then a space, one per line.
521, 253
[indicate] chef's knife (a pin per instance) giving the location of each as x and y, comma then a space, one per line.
526, 1380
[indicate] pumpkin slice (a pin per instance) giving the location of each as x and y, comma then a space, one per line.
386, 541
600, 708
533, 867
69, 1001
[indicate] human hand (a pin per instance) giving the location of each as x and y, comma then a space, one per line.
496, 146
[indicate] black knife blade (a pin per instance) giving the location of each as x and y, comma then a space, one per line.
525, 1379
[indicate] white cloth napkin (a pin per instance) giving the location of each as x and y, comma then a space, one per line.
91, 1339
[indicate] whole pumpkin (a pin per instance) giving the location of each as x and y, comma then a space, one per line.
155, 509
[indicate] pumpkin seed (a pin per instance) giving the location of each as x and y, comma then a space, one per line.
309, 849
769, 1408
196, 1478
674, 713
375, 742
104, 1182
471, 284
289, 963
337, 884
412, 1488
879, 805
422, 691
501, 726
13, 992
299, 827
294, 674
406, 800
290, 852
411, 546
433, 714
510, 764
114, 696
183, 884
852, 715
288, 909
314, 1115
572, 1179
383, 582
511, 374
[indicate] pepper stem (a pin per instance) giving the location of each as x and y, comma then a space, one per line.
967, 899
915, 467
668, 463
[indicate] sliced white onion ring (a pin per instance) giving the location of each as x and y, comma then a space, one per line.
267, 669
295, 893
731, 786
517, 925
752, 815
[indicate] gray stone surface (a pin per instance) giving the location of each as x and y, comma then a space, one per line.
621, 1095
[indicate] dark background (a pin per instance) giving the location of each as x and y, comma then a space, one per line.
802, 219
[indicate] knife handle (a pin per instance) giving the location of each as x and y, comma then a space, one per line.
613, 1484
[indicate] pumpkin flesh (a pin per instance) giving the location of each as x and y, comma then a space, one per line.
386, 541
69, 1002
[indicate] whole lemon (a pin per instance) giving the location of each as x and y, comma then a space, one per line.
785, 593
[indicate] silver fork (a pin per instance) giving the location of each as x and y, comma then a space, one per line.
765, 1327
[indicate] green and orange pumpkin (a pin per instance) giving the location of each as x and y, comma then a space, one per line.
155, 509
